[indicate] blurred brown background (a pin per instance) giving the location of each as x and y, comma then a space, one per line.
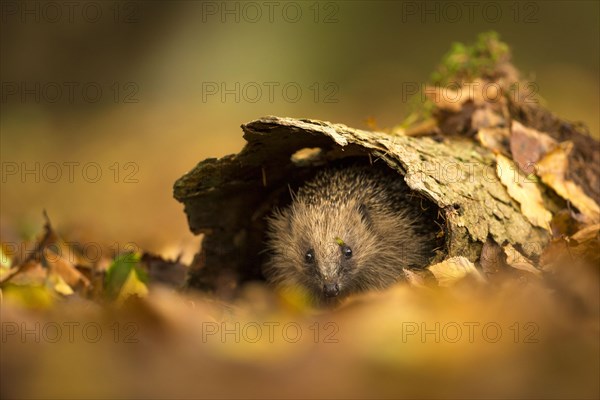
141, 91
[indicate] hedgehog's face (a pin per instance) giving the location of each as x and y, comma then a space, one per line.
327, 248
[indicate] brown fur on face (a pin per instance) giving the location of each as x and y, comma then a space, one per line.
348, 230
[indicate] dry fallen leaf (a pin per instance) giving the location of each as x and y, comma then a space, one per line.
587, 233
59, 285
554, 253
30, 273
516, 259
454, 96
525, 191
5, 261
587, 244
65, 269
452, 270
495, 139
563, 251
528, 146
414, 278
565, 223
553, 168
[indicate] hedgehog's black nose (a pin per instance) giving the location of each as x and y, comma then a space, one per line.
331, 289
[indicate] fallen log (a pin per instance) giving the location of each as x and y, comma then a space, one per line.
497, 171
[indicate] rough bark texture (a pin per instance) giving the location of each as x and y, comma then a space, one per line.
227, 199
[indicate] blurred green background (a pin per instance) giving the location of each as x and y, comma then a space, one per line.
134, 90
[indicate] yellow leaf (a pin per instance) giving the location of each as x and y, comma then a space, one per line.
4, 261
295, 298
133, 286
60, 285
452, 270
587, 233
524, 191
494, 138
29, 296
552, 169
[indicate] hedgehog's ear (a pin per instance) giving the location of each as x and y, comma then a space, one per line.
364, 214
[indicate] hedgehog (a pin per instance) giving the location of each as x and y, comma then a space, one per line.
349, 229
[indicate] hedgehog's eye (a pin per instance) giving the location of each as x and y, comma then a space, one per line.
309, 257
347, 251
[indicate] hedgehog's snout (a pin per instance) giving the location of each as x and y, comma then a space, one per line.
331, 289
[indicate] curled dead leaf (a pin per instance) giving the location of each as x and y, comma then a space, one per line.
553, 170
515, 259
418, 278
583, 246
60, 286
30, 273
528, 146
586, 234
63, 268
495, 139
525, 191
453, 270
